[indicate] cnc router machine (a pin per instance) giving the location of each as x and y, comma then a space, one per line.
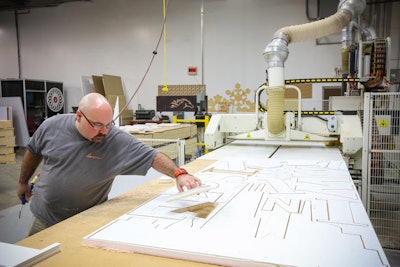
363, 123
365, 68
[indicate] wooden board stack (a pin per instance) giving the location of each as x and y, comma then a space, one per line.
7, 142
187, 132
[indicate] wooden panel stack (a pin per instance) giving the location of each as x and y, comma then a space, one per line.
188, 132
7, 142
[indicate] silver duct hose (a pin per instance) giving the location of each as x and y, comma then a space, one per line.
277, 52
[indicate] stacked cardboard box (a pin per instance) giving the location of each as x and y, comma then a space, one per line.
111, 87
7, 142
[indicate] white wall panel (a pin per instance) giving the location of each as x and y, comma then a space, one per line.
118, 37
8, 47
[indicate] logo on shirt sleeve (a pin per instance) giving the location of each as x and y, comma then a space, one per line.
91, 156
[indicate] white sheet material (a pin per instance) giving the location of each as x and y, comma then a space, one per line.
14, 255
283, 212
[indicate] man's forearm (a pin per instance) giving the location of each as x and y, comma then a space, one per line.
164, 164
30, 162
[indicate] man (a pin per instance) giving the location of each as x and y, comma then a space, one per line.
82, 153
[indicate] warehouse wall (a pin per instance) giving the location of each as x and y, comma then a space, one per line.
118, 37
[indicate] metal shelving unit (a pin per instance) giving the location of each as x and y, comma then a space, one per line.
40, 98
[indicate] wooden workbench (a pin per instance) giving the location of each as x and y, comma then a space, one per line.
347, 228
70, 232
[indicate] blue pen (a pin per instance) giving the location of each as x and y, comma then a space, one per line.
23, 198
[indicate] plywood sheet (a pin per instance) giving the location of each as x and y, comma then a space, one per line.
162, 131
272, 212
112, 85
305, 89
98, 84
112, 99
181, 90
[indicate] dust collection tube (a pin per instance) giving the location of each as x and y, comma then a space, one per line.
277, 52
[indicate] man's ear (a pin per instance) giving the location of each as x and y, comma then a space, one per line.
78, 115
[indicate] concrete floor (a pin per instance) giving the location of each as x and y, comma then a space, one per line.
14, 229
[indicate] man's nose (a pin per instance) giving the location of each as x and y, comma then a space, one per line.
103, 130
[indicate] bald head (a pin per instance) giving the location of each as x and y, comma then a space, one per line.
94, 110
94, 101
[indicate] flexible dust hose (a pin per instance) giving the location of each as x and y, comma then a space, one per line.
345, 59
277, 52
275, 121
317, 29
345, 50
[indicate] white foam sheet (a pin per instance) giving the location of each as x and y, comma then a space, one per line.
243, 149
14, 255
262, 149
278, 212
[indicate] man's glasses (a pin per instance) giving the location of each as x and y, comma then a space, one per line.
97, 125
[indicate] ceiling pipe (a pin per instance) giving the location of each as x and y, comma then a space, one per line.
18, 46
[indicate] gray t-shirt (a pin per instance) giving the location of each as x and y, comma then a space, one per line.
77, 173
